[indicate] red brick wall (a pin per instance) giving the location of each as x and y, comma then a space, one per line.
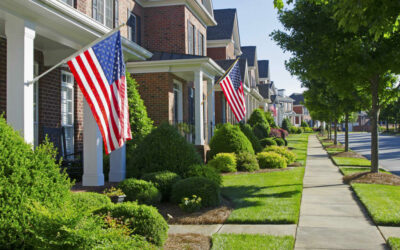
298, 109
165, 29
217, 53
78, 119
3, 75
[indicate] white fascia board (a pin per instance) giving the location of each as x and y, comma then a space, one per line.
256, 94
197, 9
219, 43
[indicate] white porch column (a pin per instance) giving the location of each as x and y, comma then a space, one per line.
210, 108
198, 99
92, 150
20, 57
118, 165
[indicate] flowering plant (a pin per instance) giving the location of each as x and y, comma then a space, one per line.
190, 205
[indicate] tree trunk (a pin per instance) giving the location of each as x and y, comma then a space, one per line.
374, 125
346, 133
330, 130
335, 126
387, 125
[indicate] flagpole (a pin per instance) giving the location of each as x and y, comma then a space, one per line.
227, 72
76, 53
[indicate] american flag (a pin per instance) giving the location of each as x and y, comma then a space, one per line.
232, 87
100, 73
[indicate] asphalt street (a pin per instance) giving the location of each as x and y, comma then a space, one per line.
389, 149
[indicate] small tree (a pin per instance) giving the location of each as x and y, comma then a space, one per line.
286, 124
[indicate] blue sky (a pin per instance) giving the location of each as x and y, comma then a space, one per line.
257, 19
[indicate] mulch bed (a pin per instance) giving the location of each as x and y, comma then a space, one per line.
187, 241
373, 178
79, 188
349, 154
174, 215
334, 146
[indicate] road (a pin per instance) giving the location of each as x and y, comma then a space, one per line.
389, 149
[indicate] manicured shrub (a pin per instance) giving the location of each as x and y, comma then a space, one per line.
229, 139
257, 117
261, 130
141, 219
270, 119
279, 141
304, 124
308, 130
286, 124
224, 162
285, 152
204, 171
271, 160
163, 149
163, 180
206, 189
247, 162
268, 142
86, 202
248, 132
26, 177
140, 190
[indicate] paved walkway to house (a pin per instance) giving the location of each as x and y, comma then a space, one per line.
331, 216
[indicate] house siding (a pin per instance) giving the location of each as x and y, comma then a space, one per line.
217, 53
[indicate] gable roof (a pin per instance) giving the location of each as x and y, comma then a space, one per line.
263, 68
225, 64
249, 52
224, 29
264, 90
298, 98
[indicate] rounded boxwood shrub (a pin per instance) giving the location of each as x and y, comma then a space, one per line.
224, 162
26, 177
285, 152
163, 149
86, 202
248, 132
204, 171
257, 117
141, 219
229, 139
163, 180
286, 124
268, 142
271, 160
279, 142
204, 188
261, 130
140, 190
247, 162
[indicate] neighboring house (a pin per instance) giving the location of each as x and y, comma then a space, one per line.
363, 123
253, 97
264, 86
263, 72
302, 113
283, 105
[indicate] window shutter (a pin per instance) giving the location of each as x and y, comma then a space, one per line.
195, 49
190, 38
139, 30
132, 27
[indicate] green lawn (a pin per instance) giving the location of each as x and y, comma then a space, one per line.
394, 243
353, 170
251, 242
381, 201
299, 143
262, 198
348, 161
334, 150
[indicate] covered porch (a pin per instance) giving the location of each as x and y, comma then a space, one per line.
34, 36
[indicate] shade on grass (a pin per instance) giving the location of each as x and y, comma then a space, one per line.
251, 242
353, 170
394, 243
299, 143
381, 201
348, 161
272, 197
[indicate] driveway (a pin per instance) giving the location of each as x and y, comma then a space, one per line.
389, 149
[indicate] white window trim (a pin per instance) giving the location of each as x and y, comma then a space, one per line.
73, 3
130, 14
180, 99
71, 86
104, 21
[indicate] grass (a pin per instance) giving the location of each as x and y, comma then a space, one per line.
394, 243
335, 150
348, 161
381, 201
299, 143
272, 197
352, 170
251, 242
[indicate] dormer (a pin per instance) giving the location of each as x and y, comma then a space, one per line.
223, 40
263, 71
250, 53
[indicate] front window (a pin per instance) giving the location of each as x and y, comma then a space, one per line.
134, 28
201, 44
178, 105
69, 2
103, 12
191, 39
67, 110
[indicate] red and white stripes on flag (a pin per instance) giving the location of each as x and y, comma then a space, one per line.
100, 73
232, 87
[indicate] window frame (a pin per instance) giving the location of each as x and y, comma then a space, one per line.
72, 4
68, 85
95, 12
178, 116
190, 32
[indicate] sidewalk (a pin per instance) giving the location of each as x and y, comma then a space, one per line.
330, 216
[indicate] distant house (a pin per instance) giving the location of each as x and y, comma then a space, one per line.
302, 113
263, 72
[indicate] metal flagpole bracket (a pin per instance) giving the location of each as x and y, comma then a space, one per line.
76, 53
